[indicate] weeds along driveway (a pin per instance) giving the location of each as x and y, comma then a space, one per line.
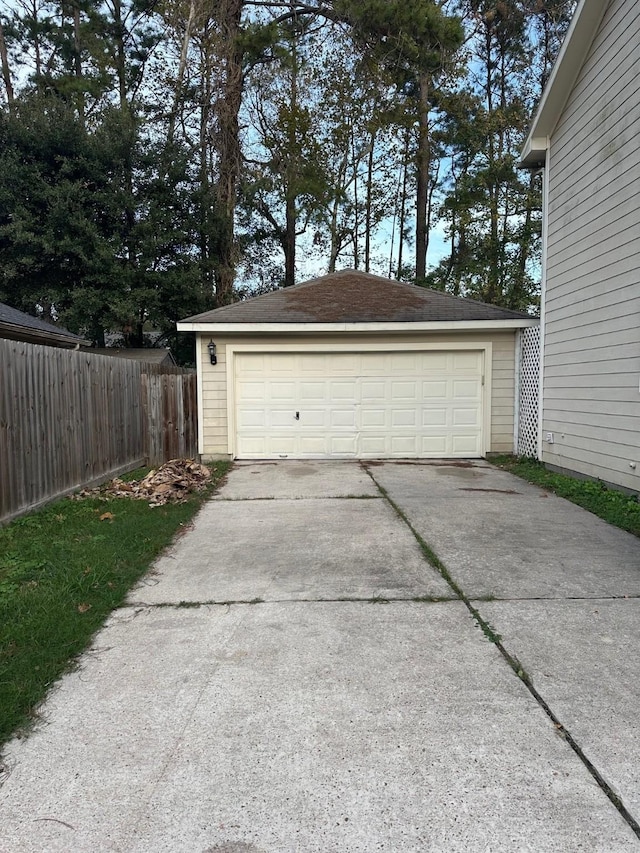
295, 676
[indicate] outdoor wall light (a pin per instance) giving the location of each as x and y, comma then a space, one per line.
212, 352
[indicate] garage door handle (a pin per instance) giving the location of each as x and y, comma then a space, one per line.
297, 416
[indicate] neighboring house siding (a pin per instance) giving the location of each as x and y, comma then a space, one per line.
592, 328
214, 380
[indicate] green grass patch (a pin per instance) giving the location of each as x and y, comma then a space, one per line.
63, 570
618, 508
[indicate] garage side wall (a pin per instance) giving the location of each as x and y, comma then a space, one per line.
213, 381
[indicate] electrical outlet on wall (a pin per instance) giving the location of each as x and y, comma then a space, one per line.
548, 437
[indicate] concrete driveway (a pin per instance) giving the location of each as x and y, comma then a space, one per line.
294, 675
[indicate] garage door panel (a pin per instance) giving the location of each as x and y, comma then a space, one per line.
465, 444
404, 418
373, 392
252, 446
465, 389
383, 404
374, 364
434, 417
466, 361
279, 445
283, 364
250, 392
255, 366
313, 445
372, 446
405, 391
347, 365
434, 390
404, 445
434, 362
282, 419
342, 390
342, 445
465, 417
313, 365
252, 418
404, 363
311, 419
281, 391
375, 418
313, 392
343, 418
434, 445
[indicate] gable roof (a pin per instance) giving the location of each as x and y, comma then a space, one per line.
575, 47
18, 326
350, 298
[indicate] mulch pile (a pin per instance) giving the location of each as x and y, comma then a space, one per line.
172, 482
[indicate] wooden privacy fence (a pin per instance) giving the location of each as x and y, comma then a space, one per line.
69, 419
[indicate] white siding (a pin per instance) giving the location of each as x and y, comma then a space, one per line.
592, 329
214, 380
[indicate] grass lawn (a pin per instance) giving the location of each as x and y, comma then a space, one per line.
617, 508
63, 569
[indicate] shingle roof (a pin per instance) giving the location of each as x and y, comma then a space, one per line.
13, 321
350, 296
153, 355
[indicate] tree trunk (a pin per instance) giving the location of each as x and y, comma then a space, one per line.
403, 203
204, 227
182, 65
356, 217
6, 73
77, 61
367, 223
291, 173
290, 241
422, 191
335, 241
228, 107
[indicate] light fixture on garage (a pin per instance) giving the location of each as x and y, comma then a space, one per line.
212, 352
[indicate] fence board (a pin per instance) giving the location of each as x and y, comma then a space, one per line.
71, 418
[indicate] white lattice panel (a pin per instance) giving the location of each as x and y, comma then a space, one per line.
529, 386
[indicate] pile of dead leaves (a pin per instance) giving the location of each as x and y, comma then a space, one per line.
170, 483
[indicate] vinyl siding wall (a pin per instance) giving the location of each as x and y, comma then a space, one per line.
214, 381
592, 329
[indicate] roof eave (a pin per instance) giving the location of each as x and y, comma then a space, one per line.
575, 47
355, 328
14, 332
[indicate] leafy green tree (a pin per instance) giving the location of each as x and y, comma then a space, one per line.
66, 247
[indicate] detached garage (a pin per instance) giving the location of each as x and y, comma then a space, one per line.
356, 366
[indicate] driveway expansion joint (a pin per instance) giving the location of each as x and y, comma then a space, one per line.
373, 599
301, 498
496, 599
514, 664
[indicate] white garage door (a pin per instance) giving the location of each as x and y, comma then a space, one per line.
359, 405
